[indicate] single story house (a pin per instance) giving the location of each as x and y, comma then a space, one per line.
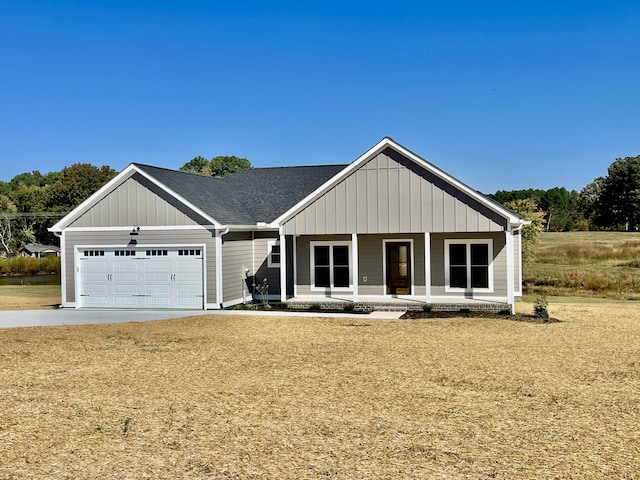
37, 250
390, 226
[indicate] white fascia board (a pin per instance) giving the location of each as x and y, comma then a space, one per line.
375, 150
112, 185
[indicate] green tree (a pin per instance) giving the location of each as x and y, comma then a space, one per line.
528, 208
587, 202
219, 166
76, 184
195, 165
618, 204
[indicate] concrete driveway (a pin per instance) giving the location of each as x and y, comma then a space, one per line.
71, 316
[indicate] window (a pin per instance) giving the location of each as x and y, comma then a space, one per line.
273, 253
468, 265
190, 252
330, 265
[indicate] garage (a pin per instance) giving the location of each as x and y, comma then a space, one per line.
140, 277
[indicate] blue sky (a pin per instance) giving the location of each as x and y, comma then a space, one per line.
502, 95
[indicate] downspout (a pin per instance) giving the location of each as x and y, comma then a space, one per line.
219, 234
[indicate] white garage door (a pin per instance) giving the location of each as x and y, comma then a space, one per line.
141, 277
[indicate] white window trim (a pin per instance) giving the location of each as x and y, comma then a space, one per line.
270, 245
384, 265
312, 263
467, 242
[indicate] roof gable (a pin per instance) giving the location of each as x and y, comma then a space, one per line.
438, 176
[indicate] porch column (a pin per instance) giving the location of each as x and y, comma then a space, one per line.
219, 292
283, 267
427, 266
510, 272
295, 265
354, 253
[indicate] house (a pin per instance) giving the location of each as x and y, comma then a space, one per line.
388, 227
37, 250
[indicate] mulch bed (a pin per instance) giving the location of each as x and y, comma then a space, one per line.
519, 317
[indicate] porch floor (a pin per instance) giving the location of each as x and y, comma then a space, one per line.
373, 303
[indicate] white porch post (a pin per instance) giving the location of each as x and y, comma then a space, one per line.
427, 266
219, 292
356, 277
510, 272
295, 265
283, 267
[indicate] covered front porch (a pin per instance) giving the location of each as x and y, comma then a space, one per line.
366, 303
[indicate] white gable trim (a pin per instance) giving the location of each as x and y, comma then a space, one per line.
375, 150
115, 183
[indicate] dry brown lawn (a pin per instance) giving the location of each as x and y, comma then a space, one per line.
241, 397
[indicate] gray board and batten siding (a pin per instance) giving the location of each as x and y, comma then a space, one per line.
391, 194
138, 201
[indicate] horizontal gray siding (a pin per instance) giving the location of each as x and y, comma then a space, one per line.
261, 269
121, 238
137, 201
499, 263
391, 194
236, 257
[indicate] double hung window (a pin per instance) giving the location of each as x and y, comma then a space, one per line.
468, 265
273, 258
330, 265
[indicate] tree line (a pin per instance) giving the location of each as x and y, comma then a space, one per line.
611, 202
30, 203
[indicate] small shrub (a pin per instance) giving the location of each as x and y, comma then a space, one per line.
427, 307
466, 311
316, 307
349, 307
540, 307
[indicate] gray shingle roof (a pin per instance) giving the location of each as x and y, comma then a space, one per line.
248, 196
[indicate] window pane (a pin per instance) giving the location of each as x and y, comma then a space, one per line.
275, 259
457, 254
341, 276
479, 254
321, 255
322, 277
458, 277
275, 248
479, 277
341, 255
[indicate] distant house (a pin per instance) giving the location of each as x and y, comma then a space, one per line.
38, 250
389, 226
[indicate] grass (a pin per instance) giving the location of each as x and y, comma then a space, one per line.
600, 264
250, 397
29, 297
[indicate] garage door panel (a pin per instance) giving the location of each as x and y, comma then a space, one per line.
94, 301
155, 265
157, 289
125, 289
157, 277
157, 302
125, 301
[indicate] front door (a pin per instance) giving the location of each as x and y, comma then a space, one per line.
398, 259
